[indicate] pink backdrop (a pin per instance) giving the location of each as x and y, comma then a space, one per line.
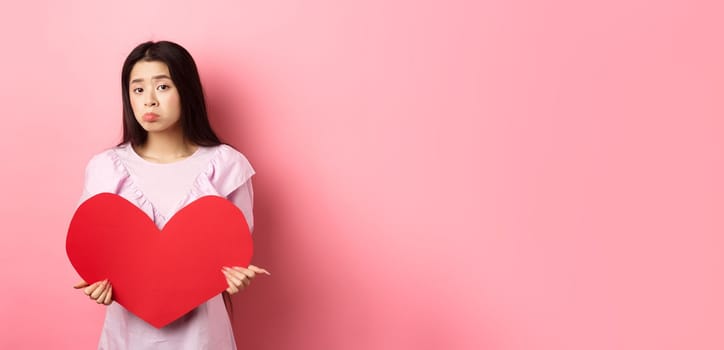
431, 174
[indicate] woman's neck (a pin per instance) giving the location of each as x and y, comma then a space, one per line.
165, 148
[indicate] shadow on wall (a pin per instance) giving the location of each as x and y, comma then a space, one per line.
264, 311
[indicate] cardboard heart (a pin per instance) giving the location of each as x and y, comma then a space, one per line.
159, 275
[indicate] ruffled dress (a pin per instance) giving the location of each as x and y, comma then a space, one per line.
222, 171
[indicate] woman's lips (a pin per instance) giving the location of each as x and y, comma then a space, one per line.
150, 117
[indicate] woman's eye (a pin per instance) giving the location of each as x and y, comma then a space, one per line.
138, 90
163, 87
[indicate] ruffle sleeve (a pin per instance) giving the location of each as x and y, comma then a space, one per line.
229, 170
103, 173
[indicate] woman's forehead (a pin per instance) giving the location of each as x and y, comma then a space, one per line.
147, 70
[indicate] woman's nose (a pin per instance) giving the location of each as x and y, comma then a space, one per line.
150, 101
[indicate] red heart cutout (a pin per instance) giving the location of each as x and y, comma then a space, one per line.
159, 275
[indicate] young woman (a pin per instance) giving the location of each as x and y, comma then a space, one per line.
169, 157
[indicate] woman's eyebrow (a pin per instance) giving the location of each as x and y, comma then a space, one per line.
155, 77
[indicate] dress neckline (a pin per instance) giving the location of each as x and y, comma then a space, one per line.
157, 214
138, 157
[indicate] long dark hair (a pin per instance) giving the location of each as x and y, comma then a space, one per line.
194, 119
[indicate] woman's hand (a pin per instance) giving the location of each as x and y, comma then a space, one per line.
101, 292
239, 278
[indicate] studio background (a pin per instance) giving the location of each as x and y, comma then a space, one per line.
430, 174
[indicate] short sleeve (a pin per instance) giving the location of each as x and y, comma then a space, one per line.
103, 173
230, 170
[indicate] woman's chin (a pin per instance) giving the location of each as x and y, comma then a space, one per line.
157, 127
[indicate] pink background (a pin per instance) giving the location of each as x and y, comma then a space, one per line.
431, 174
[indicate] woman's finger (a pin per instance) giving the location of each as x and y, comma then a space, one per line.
258, 269
98, 291
246, 272
109, 295
235, 276
81, 284
232, 288
101, 299
91, 288
242, 278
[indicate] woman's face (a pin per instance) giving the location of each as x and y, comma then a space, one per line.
154, 98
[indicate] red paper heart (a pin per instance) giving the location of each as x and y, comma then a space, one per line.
159, 275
